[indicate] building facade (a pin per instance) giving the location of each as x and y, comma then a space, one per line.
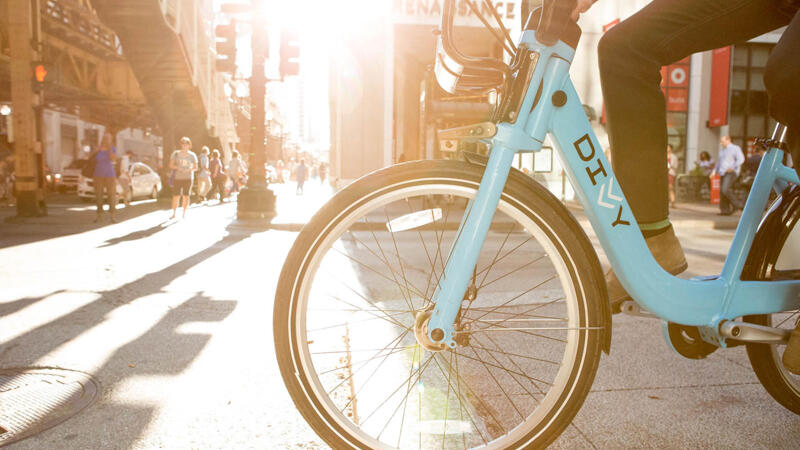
385, 107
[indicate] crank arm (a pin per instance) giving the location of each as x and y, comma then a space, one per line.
749, 332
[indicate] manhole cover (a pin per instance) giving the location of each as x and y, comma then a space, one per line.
35, 399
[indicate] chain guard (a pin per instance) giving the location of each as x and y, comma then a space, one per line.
687, 342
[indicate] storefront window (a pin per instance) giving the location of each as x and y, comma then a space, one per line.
749, 118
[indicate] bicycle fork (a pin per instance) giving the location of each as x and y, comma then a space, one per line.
467, 246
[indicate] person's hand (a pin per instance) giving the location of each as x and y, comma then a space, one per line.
581, 7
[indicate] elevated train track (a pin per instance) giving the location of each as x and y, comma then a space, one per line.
131, 63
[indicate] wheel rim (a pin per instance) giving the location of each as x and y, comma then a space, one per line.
428, 398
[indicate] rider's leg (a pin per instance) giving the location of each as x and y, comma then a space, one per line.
631, 56
782, 80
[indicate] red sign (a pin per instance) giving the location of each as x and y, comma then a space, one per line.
720, 78
675, 85
678, 76
677, 100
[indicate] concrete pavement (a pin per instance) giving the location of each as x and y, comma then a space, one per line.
174, 319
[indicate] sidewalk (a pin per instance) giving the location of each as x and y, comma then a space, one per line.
688, 215
295, 210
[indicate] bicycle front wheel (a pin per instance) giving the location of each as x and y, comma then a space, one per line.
355, 293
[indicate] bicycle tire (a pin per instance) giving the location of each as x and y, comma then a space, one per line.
765, 359
341, 427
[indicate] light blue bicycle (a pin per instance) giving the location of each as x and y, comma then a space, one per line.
458, 304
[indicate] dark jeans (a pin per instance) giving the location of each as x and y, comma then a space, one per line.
631, 55
105, 187
217, 185
727, 201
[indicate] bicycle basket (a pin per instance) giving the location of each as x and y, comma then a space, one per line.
457, 73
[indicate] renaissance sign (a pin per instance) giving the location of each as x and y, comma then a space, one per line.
429, 12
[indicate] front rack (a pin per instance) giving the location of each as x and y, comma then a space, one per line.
459, 74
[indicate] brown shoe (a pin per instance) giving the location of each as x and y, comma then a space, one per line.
791, 356
667, 251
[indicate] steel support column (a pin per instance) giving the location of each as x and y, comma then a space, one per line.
23, 27
256, 201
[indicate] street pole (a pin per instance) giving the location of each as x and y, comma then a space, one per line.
23, 33
255, 200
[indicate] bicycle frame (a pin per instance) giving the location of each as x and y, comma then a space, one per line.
558, 111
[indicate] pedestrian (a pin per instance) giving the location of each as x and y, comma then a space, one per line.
124, 177
236, 170
705, 163
183, 162
104, 177
203, 175
7, 177
750, 166
280, 168
728, 164
323, 172
672, 171
302, 173
218, 176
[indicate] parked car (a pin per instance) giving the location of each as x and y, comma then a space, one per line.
145, 182
70, 176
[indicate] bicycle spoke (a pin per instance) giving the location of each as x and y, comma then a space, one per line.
494, 259
516, 332
509, 371
385, 260
363, 362
533, 261
418, 375
417, 348
439, 253
517, 355
363, 298
398, 338
376, 317
531, 289
377, 273
787, 319
483, 404
397, 252
520, 368
491, 354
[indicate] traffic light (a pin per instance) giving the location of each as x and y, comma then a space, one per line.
226, 47
290, 54
39, 77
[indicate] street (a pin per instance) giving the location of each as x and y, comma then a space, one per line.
174, 319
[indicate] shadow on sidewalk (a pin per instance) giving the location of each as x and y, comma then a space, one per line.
162, 350
138, 234
61, 222
8, 308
